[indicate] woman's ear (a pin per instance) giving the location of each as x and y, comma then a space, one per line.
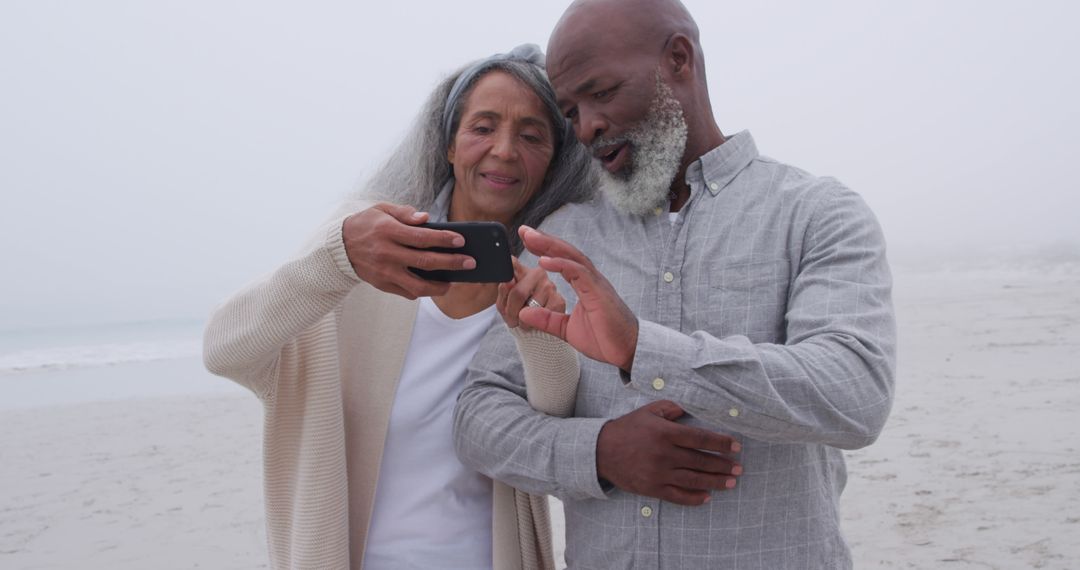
450, 153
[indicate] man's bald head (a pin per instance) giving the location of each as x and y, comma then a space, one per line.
627, 26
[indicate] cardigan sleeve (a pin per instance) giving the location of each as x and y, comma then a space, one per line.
551, 370
246, 335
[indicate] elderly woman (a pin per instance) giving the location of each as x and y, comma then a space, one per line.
358, 361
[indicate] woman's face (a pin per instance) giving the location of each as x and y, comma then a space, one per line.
501, 150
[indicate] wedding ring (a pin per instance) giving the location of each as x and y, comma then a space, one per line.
534, 303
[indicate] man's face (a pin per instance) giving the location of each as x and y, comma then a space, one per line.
656, 146
621, 109
604, 94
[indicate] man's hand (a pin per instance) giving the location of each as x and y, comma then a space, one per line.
382, 242
645, 452
601, 326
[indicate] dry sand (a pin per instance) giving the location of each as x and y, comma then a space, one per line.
979, 465
977, 468
152, 483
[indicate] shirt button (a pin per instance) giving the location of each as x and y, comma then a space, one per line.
733, 412
646, 511
668, 277
713, 185
658, 383
658, 210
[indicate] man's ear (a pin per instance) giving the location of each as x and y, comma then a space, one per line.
679, 56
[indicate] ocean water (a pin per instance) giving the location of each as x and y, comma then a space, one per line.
70, 365
64, 348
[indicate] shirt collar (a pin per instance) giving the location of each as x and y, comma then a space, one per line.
718, 167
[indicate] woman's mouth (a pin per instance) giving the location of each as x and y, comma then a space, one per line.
499, 180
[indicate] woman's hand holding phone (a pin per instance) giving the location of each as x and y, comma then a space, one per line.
486, 243
528, 283
384, 241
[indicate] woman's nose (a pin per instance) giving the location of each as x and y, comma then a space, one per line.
504, 146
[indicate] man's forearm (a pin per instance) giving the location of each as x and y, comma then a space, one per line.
829, 389
498, 433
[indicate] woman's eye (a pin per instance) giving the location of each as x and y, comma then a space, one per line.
571, 114
480, 129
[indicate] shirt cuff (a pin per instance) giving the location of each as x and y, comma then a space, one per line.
657, 346
575, 457
664, 367
335, 243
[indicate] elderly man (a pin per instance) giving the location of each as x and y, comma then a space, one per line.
712, 288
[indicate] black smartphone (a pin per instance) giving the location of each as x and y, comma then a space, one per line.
486, 242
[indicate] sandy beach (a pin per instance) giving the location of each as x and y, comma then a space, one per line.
978, 467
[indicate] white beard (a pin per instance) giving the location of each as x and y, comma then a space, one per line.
658, 143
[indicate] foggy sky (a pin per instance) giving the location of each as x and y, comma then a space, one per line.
154, 157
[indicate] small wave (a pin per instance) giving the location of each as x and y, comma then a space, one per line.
62, 358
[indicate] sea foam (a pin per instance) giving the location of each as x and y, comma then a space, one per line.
62, 358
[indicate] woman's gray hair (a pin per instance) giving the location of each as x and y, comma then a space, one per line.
418, 167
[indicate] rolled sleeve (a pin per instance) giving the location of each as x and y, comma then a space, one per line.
668, 364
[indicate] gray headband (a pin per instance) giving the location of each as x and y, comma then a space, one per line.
526, 53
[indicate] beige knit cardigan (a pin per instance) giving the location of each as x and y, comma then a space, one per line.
323, 350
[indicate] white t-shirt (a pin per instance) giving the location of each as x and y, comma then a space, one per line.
430, 510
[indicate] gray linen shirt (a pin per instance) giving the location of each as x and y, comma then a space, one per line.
765, 311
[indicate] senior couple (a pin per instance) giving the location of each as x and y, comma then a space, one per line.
719, 330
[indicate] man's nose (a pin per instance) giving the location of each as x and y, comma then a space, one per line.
589, 126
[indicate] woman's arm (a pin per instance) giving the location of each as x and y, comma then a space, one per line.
377, 244
246, 335
551, 365
552, 371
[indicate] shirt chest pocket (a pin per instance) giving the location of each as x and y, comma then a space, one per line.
747, 298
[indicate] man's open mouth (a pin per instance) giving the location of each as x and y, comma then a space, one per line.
613, 157
609, 153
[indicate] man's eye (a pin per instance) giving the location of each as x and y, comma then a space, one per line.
571, 114
605, 94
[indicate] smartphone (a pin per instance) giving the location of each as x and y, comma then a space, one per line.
486, 242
